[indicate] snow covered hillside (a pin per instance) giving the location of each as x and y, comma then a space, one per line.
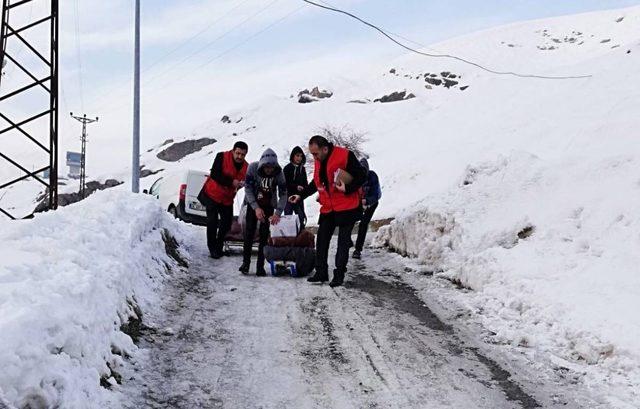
550, 248
71, 282
527, 189
422, 145
542, 224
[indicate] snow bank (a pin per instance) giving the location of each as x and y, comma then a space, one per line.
69, 279
551, 250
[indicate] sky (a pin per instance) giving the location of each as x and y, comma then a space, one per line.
201, 57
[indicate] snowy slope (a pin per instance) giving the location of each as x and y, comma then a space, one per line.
445, 129
550, 249
558, 156
68, 281
423, 145
562, 159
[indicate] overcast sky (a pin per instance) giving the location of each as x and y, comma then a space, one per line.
187, 37
198, 54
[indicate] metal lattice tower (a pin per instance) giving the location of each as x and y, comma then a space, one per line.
43, 141
84, 121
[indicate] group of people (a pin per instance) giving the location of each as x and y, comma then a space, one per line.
348, 192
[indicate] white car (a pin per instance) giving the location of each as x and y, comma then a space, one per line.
178, 193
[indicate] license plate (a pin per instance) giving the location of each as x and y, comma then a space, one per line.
197, 206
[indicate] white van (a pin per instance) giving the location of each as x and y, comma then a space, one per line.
178, 193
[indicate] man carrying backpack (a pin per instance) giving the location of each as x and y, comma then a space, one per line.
371, 194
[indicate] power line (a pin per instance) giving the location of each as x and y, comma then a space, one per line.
193, 37
78, 54
199, 50
227, 51
20, 50
384, 33
210, 43
240, 44
172, 51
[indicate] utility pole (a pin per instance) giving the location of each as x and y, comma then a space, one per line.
84, 120
135, 164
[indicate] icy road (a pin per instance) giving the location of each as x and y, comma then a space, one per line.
222, 339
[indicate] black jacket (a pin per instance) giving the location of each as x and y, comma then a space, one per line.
216, 170
295, 175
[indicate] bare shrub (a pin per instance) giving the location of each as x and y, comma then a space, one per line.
346, 137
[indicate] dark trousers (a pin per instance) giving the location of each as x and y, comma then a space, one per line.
250, 232
218, 224
326, 228
367, 215
297, 208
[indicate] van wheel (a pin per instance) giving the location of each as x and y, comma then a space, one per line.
173, 211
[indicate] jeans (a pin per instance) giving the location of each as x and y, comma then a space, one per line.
219, 219
367, 215
250, 232
325, 232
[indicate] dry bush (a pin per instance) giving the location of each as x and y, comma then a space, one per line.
347, 138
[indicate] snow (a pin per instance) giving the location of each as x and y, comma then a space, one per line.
570, 288
559, 157
68, 280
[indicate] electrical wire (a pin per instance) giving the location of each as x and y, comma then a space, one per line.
193, 37
4, 43
100, 97
78, 53
150, 80
215, 40
20, 50
163, 86
248, 39
449, 56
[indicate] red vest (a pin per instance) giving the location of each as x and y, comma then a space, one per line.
333, 200
225, 194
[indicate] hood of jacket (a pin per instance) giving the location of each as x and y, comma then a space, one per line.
269, 157
295, 151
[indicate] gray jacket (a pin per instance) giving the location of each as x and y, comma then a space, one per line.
256, 178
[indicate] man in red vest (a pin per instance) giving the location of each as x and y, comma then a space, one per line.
337, 178
227, 177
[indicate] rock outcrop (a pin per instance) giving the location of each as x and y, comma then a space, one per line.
179, 150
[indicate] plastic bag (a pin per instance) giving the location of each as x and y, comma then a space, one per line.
289, 226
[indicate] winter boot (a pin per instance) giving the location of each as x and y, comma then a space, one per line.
357, 254
244, 268
338, 279
318, 278
260, 272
